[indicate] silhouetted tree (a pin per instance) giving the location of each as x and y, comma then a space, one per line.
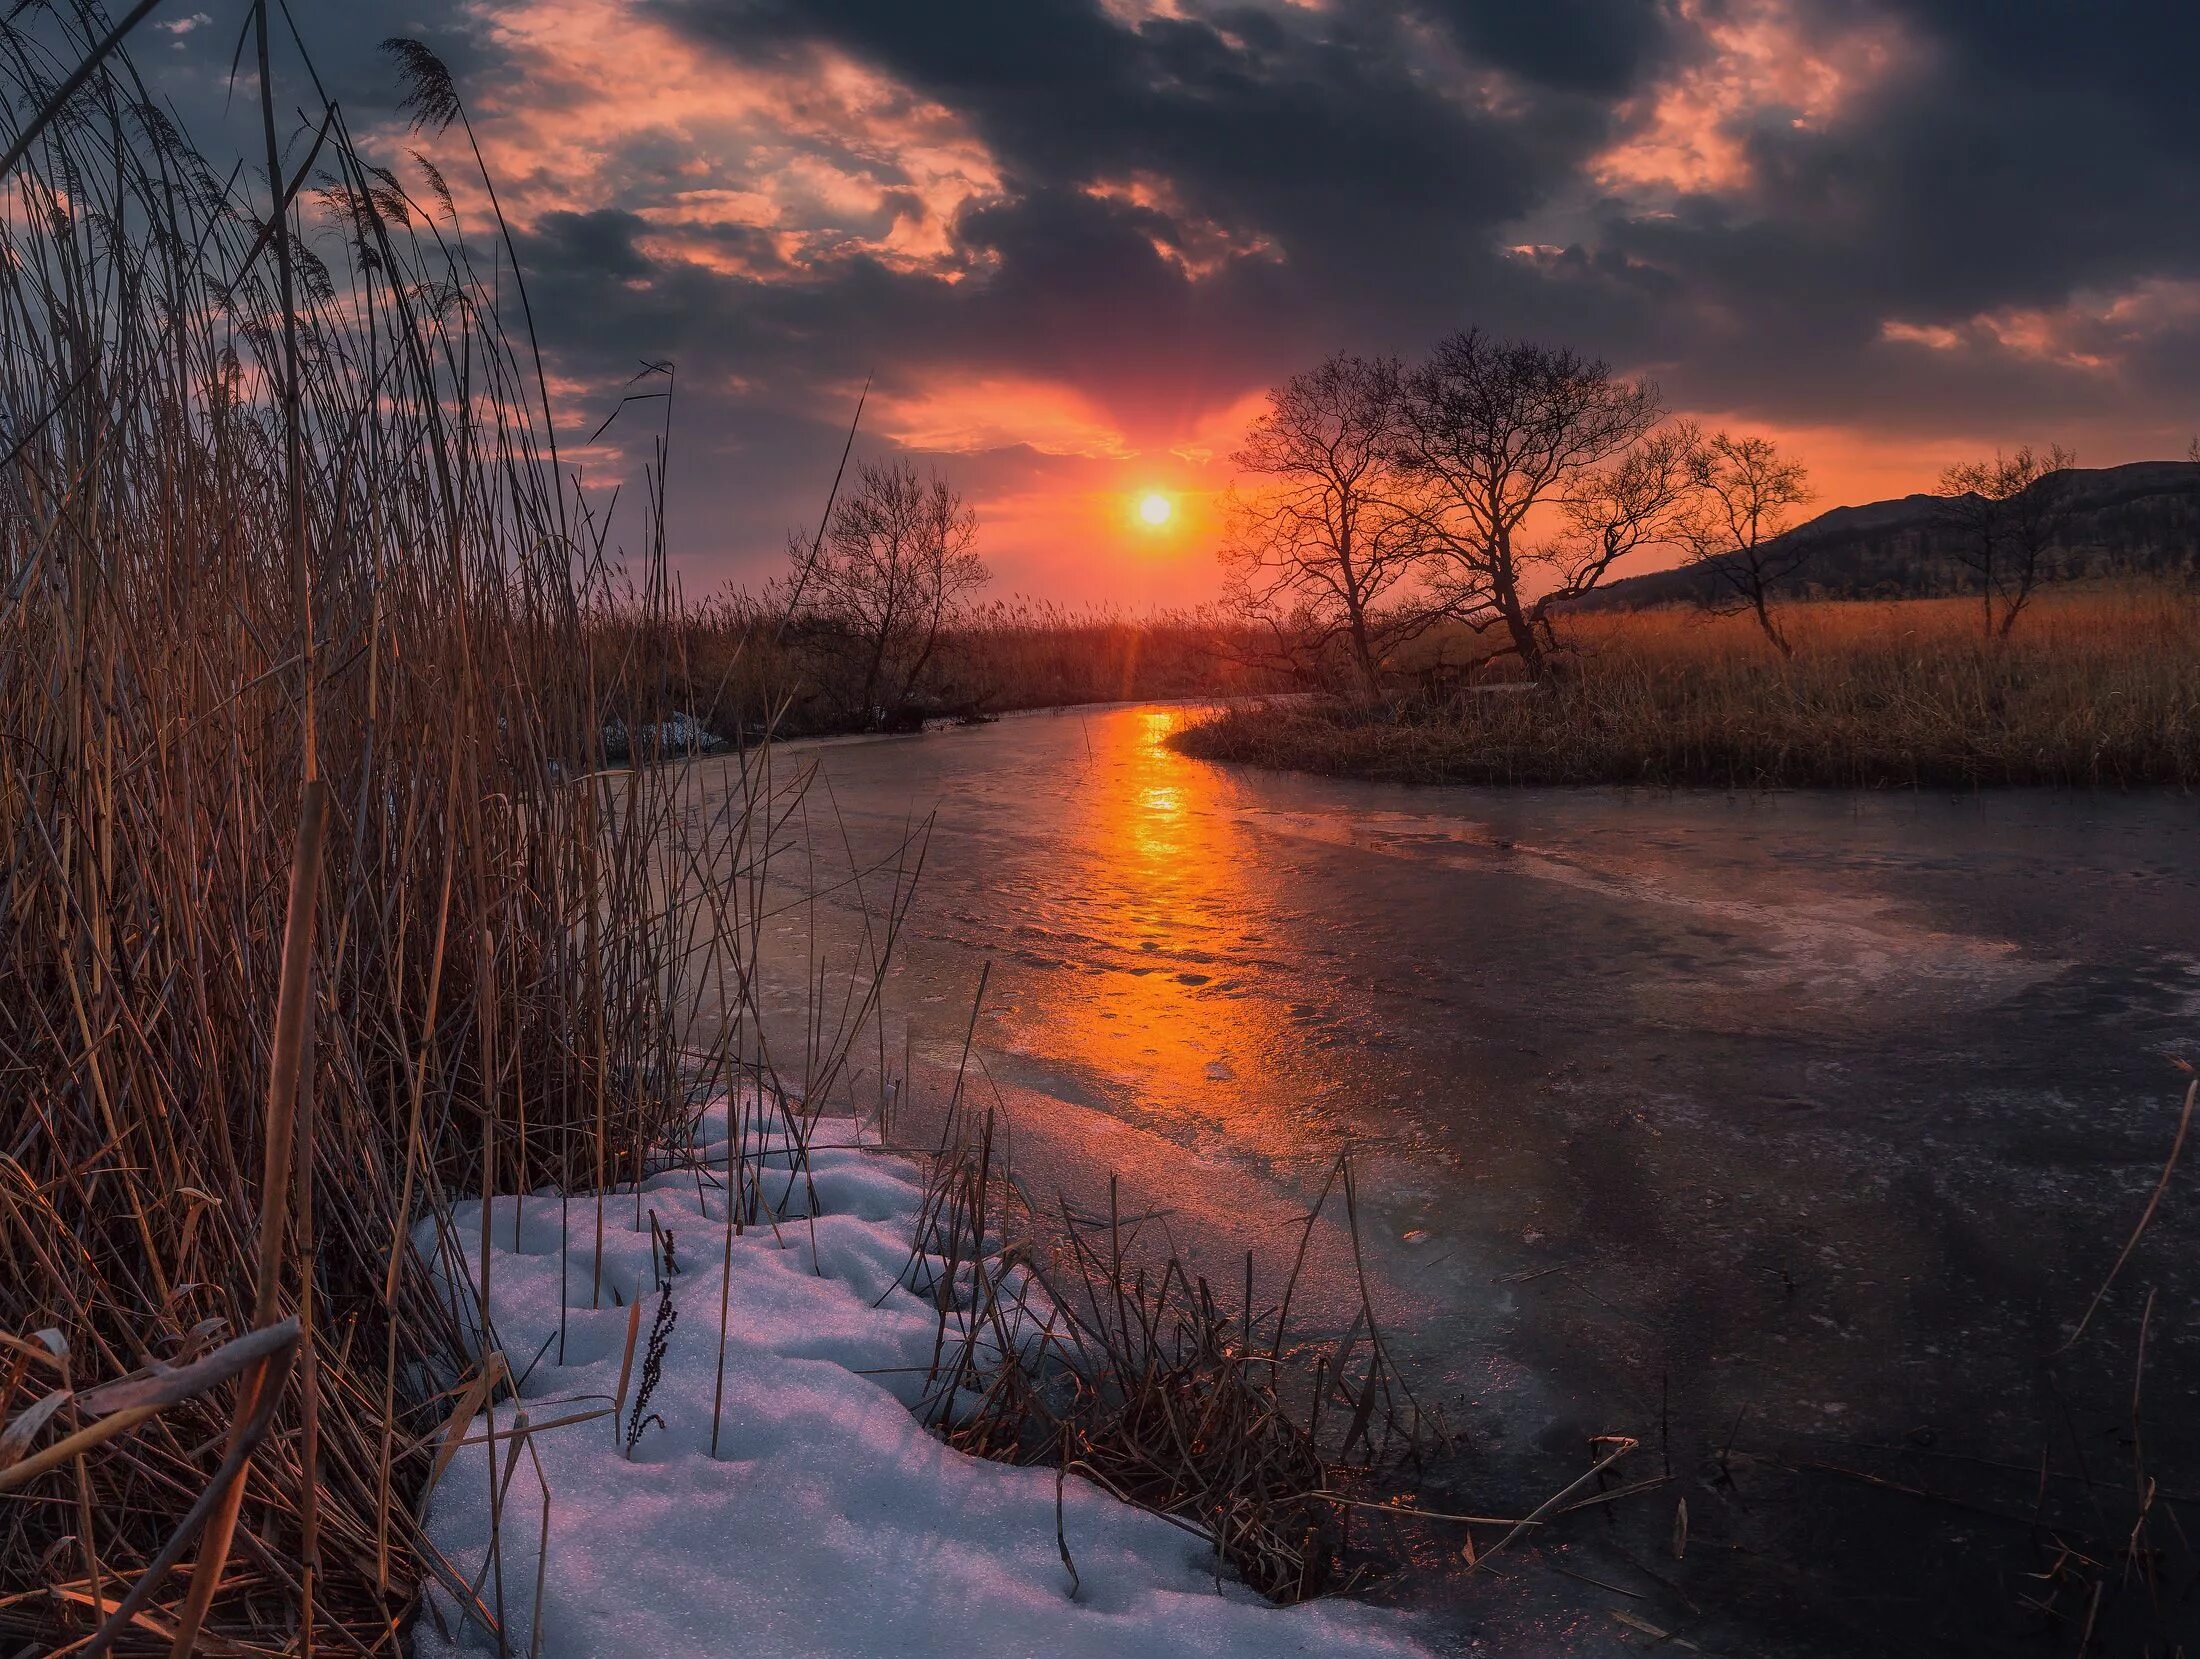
1322, 547
1746, 493
892, 570
2006, 514
1500, 432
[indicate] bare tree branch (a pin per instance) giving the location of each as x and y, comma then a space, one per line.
2006, 515
1499, 434
1321, 546
1746, 493
892, 570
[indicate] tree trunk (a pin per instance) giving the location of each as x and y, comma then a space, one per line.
1521, 627
2027, 577
924, 656
1772, 631
1363, 655
1355, 611
872, 673
1505, 596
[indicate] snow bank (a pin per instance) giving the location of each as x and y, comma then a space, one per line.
830, 1522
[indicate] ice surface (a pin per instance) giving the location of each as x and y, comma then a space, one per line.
830, 1522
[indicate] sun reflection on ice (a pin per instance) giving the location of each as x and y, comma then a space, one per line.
1169, 925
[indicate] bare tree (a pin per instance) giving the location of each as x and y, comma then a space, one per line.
2041, 501
894, 567
1322, 537
1746, 493
2007, 514
1970, 513
1497, 432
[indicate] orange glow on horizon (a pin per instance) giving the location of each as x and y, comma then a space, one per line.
1104, 527
1119, 510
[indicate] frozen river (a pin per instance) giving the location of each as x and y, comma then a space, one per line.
1789, 1133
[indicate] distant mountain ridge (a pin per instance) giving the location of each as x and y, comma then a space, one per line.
2138, 519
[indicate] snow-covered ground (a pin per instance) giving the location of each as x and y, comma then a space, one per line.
829, 1522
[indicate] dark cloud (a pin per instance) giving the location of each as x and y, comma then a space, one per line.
1903, 217
2016, 152
1603, 47
1359, 164
2015, 159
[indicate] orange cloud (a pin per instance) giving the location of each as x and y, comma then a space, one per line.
1760, 61
827, 157
2092, 330
1198, 246
2157, 303
1934, 336
965, 416
2045, 335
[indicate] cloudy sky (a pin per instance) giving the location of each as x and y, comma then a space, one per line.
1072, 241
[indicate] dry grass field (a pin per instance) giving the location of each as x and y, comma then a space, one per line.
735, 664
2098, 687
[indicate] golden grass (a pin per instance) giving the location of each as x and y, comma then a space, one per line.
735, 656
2098, 687
350, 644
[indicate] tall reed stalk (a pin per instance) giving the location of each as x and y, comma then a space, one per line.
278, 521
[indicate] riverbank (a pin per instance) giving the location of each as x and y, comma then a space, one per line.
752, 1461
2097, 688
736, 671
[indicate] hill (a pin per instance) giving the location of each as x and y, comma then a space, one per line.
2140, 519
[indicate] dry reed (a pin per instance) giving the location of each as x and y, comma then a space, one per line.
2098, 687
279, 524
736, 656
1080, 1343
321, 912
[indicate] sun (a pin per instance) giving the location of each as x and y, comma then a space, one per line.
1155, 510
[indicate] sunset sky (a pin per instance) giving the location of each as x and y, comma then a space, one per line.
1074, 240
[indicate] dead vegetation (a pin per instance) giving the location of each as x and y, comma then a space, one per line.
316, 909
738, 653
1088, 1344
2100, 689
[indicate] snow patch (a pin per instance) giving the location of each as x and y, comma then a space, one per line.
830, 1522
